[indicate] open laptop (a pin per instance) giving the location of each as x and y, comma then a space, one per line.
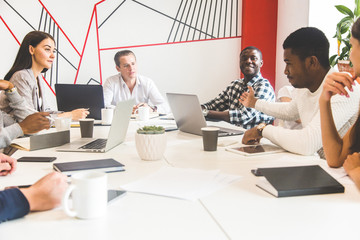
189, 117
116, 135
73, 96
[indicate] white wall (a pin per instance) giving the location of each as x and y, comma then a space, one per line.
294, 14
202, 67
324, 15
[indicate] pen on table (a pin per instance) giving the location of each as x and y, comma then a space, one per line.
50, 118
27, 186
166, 118
140, 105
18, 186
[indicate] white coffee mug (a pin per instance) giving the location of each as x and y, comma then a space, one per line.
143, 113
62, 123
89, 195
107, 116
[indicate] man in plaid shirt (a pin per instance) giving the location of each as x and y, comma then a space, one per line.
226, 105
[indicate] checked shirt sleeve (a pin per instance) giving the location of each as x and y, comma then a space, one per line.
249, 117
221, 102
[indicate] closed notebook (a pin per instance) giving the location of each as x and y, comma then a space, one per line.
105, 165
297, 181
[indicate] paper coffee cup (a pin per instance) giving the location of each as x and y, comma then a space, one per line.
210, 138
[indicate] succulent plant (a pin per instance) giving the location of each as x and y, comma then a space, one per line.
151, 130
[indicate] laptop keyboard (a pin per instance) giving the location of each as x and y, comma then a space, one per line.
99, 143
223, 132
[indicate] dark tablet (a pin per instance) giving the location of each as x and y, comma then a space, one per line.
36, 159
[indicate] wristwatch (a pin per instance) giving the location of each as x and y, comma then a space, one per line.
10, 90
260, 128
205, 112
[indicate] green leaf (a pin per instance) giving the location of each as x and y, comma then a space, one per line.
332, 60
343, 31
344, 24
347, 44
346, 49
348, 36
341, 57
346, 19
357, 8
344, 28
338, 32
344, 55
151, 130
345, 10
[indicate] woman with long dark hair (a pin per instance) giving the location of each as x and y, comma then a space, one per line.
35, 56
342, 151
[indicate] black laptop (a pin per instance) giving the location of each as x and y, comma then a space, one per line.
73, 96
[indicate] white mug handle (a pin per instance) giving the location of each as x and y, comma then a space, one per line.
65, 201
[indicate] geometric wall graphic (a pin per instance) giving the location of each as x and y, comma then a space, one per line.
194, 20
108, 25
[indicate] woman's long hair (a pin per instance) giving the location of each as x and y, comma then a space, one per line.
354, 137
355, 131
23, 58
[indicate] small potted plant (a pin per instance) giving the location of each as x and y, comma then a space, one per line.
343, 34
150, 142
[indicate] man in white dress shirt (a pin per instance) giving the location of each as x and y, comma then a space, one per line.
127, 84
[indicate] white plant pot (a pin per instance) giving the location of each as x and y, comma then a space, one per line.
150, 146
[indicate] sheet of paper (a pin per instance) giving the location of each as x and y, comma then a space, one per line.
158, 122
220, 181
21, 143
182, 183
337, 173
152, 115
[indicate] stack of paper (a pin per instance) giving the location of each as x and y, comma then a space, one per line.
189, 184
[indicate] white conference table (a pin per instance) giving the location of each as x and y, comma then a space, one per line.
239, 211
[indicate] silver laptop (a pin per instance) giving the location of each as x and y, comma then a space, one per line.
116, 135
189, 117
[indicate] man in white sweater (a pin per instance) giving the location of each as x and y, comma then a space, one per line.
306, 54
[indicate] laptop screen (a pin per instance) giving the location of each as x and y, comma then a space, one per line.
73, 96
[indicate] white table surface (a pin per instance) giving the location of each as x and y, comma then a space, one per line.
238, 211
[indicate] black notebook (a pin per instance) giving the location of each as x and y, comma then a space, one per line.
297, 181
105, 165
